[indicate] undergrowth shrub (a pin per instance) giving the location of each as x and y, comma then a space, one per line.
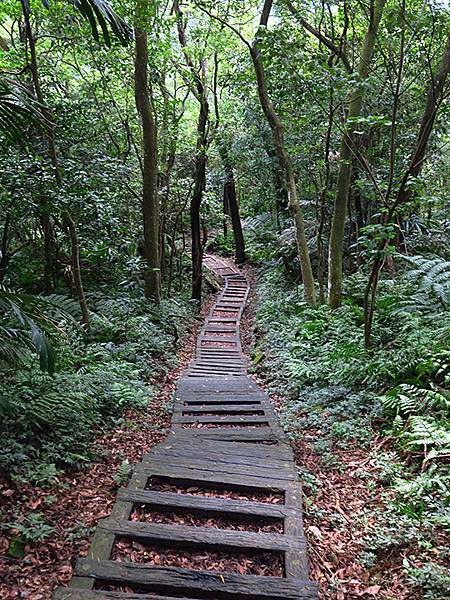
48, 422
337, 395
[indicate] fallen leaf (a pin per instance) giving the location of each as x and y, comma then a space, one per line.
372, 590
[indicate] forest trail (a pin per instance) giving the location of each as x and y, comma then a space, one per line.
226, 469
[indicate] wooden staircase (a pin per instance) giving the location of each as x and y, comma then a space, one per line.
225, 440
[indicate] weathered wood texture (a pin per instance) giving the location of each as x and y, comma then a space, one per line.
225, 457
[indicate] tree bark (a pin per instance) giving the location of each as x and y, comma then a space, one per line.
75, 257
76, 269
201, 93
196, 201
285, 162
4, 255
335, 258
150, 200
231, 205
49, 246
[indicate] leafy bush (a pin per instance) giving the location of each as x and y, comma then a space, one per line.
315, 359
131, 342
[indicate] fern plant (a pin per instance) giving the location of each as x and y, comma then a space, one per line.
406, 400
30, 322
429, 436
432, 275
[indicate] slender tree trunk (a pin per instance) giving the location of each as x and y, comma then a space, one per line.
435, 98
226, 210
335, 258
324, 202
150, 200
4, 255
76, 269
75, 257
285, 162
196, 201
47, 230
45, 217
201, 92
231, 204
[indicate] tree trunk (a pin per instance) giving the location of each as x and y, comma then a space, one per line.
285, 163
196, 201
231, 204
335, 258
53, 157
76, 270
435, 98
47, 230
150, 200
4, 254
201, 92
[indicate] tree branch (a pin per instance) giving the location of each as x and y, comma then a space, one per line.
339, 52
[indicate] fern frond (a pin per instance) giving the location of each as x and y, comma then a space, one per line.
432, 275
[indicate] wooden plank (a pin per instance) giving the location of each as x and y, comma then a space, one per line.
214, 362
244, 459
214, 467
230, 409
199, 476
225, 506
240, 434
77, 594
226, 401
278, 451
223, 419
262, 454
217, 539
226, 586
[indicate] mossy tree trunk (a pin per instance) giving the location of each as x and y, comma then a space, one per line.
150, 200
335, 256
284, 160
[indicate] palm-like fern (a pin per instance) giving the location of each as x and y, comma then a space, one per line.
411, 400
18, 110
428, 435
99, 12
29, 322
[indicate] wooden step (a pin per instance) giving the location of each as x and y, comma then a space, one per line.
214, 539
203, 504
226, 586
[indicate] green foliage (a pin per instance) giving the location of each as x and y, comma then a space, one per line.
222, 244
338, 395
408, 399
18, 110
31, 528
131, 342
28, 321
431, 578
432, 276
123, 473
